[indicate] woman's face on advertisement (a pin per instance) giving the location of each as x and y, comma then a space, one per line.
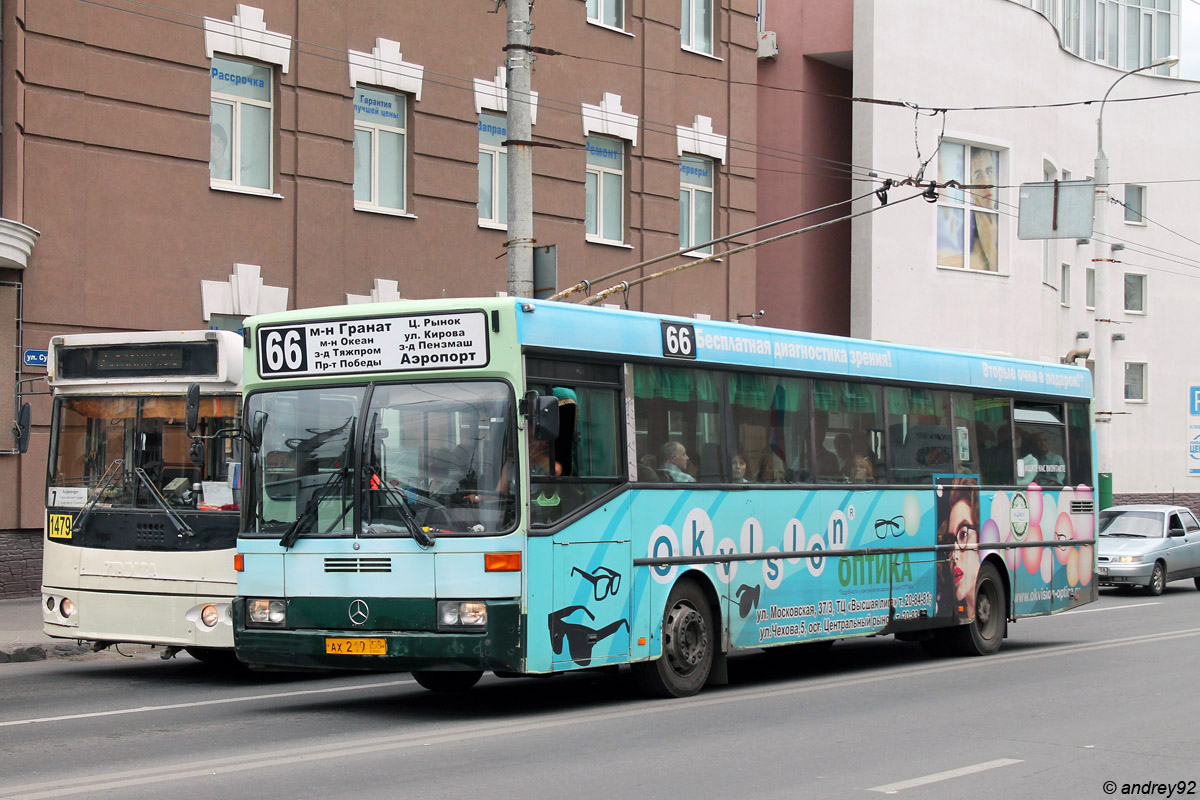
964, 558
983, 172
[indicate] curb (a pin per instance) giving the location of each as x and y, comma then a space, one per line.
37, 652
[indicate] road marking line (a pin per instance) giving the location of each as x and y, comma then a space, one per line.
892, 788
455, 734
198, 703
1108, 608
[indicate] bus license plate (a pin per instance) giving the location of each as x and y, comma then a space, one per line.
356, 647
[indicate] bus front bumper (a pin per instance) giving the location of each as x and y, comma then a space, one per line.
497, 648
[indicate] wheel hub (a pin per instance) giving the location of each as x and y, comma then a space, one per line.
688, 638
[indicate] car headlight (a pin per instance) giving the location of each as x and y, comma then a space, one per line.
453, 614
1128, 560
266, 612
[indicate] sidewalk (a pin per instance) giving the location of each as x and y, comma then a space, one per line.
21, 636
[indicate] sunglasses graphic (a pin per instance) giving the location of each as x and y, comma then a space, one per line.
748, 597
580, 638
893, 526
605, 582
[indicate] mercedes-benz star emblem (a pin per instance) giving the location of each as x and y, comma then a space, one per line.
359, 611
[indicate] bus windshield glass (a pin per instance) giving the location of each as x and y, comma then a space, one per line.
118, 448
433, 455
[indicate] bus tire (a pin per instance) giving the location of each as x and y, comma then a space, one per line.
447, 682
215, 657
688, 645
983, 635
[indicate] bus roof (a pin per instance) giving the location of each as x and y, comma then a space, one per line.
573, 327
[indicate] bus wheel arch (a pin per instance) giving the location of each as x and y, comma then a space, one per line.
690, 623
983, 635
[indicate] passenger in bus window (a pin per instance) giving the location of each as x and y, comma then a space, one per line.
958, 533
674, 463
1052, 470
845, 451
739, 468
827, 461
771, 468
861, 465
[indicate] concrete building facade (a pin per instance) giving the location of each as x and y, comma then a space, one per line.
184, 164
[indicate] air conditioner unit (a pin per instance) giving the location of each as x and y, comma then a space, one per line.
767, 47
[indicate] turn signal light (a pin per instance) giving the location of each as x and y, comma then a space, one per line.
239, 562
502, 562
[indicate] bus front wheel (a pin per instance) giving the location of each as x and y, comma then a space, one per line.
447, 681
688, 645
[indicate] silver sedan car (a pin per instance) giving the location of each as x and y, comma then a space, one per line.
1147, 546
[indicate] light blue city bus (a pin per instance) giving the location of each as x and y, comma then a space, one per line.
528, 487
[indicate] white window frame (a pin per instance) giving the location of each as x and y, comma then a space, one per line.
596, 14
599, 171
1145, 368
1064, 288
499, 176
1125, 297
1089, 288
373, 129
1139, 216
966, 204
689, 12
691, 189
236, 102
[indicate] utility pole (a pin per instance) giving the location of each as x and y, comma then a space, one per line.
1102, 351
520, 150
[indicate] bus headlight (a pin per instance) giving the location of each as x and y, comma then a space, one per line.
209, 615
266, 612
457, 614
67, 608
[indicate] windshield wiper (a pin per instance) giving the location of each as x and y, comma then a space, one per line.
181, 528
421, 536
321, 493
105, 479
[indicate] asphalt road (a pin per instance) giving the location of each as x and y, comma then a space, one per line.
1106, 693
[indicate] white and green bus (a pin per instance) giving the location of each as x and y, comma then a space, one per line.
529, 487
141, 517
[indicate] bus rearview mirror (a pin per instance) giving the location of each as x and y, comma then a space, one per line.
544, 414
23, 428
193, 407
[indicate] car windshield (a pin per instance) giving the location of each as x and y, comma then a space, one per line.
427, 455
1144, 524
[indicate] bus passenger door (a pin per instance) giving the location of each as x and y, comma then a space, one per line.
589, 623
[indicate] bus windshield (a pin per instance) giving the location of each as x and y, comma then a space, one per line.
433, 455
122, 446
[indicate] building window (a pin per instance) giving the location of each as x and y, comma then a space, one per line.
696, 202
1064, 288
380, 133
1135, 293
1089, 289
1135, 381
242, 124
696, 25
610, 13
968, 222
605, 189
493, 170
1135, 204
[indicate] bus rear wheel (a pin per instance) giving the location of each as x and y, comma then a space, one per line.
984, 634
447, 681
688, 645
